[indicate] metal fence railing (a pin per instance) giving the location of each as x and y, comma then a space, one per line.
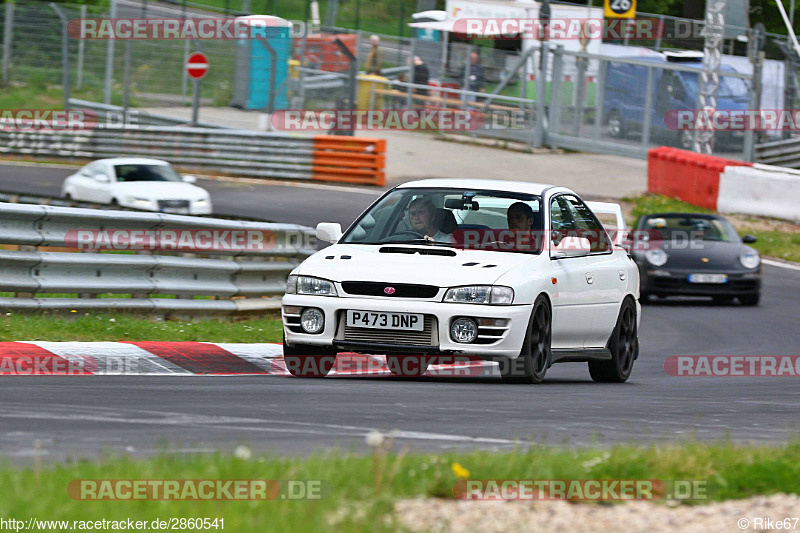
143, 261
784, 153
244, 153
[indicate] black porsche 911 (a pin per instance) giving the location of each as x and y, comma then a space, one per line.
690, 254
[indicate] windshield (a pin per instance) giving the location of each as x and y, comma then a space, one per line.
728, 87
459, 218
682, 228
146, 173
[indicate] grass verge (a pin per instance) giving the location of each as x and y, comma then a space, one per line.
776, 238
124, 327
359, 490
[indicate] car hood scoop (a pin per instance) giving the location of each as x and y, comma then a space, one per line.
421, 251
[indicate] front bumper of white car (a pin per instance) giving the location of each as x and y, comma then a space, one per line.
501, 329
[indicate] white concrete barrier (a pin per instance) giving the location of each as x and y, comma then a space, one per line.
761, 190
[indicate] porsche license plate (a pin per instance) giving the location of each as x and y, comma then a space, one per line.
381, 320
708, 278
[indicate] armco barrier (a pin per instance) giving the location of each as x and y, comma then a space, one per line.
762, 190
688, 176
236, 152
237, 277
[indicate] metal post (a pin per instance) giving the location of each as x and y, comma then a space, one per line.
8, 32
541, 89
81, 43
64, 52
358, 14
554, 116
660, 31
402, 19
273, 65
195, 103
580, 94
411, 69
353, 77
185, 75
755, 103
648, 108
109, 59
599, 99
126, 82
465, 82
302, 78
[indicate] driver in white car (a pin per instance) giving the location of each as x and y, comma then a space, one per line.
422, 218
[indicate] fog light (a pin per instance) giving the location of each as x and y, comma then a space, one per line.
464, 330
312, 320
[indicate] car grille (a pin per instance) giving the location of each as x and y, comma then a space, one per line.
172, 203
426, 337
401, 290
681, 284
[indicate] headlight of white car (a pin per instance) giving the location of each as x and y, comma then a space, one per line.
200, 203
480, 294
140, 202
309, 285
749, 259
656, 257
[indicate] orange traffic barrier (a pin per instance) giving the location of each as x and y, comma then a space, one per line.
349, 159
687, 176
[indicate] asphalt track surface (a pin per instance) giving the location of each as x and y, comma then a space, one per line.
140, 415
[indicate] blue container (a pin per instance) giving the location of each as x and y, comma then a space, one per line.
252, 84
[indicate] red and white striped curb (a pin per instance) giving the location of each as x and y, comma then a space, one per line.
184, 358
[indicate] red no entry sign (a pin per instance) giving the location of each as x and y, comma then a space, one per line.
197, 65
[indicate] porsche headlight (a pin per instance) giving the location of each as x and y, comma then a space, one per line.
480, 294
750, 259
200, 203
309, 285
656, 257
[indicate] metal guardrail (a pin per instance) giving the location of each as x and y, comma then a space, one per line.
269, 155
109, 113
784, 153
252, 260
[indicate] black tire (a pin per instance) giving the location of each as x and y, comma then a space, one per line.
407, 366
616, 126
535, 355
750, 299
624, 346
308, 361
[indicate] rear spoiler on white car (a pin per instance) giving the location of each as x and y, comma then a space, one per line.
620, 231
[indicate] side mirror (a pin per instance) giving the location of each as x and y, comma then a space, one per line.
572, 247
102, 178
189, 179
329, 232
748, 239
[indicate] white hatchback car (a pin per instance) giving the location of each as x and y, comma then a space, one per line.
519, 273
139, 183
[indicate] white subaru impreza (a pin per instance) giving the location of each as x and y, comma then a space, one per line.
519, 273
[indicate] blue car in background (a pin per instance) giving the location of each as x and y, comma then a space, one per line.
624, 100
